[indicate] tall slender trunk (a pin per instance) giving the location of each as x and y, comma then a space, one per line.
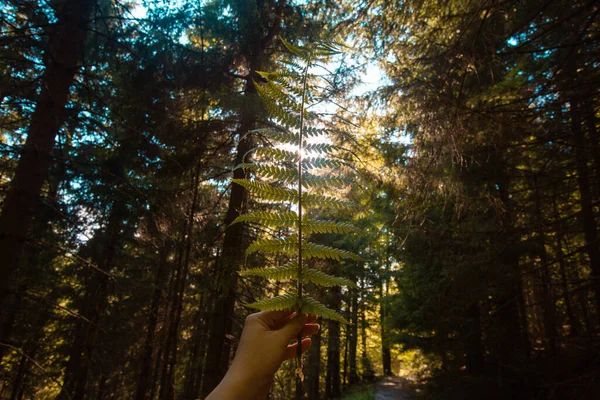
234, 247
588, 219
353, 342
549, 314
63, 53
313, 368
143, 391
167, 381
512, 317
332, 378
194, 370
473, 341
386, 355
574, 325
96, 300
368, 372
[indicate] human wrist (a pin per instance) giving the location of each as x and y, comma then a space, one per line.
235, 386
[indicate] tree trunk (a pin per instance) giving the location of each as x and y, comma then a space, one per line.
353, 339
474, 343
167, 381
574, 325
511, 315
76, 373
194, 371
143, 390
313, 368
386, 355
549, 314
332, 379
64, 50
588, 215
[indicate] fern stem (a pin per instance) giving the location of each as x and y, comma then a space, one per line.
300, 239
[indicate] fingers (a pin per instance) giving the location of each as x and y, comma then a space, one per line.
310, 329
291, 350
272, 320
293, 327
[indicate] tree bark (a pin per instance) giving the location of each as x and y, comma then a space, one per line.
96, 300
63, 53
143, 390
512, 318
590, 228
574, 324
549, 314
386, 355
475, 360
332, 378
167, 382
313, 368
353, 339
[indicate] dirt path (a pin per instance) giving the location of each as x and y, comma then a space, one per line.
392, 388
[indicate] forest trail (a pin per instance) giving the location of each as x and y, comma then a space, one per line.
392, 388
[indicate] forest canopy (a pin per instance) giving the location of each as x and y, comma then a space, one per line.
437, 174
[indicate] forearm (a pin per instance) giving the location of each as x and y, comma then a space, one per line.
234, 387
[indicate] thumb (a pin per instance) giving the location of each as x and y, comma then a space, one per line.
291, 330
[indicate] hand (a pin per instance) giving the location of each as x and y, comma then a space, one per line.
264, 345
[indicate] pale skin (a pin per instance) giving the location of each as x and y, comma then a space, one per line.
264, 345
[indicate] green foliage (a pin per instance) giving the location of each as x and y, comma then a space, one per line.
287, 94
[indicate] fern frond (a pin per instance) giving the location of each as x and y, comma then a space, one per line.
311, 131
273, 219
327, 227
315, 200
322, 279
287, 246
267, 192
289, 271
271, 171
279, 135
277, 154
275, 93
316, 182
276, 111
284, 272
321, 251
320, 148
299, 52
280, 303
312, 306
320, 162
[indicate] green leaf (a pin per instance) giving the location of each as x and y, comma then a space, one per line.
286, 219
287, 246
276, 111
321, 251
277, 154
299, 52
279, 135
316, 182
315, 200
320, 148
322, 279
284, 272
312, 306
271, 171
280, 303
320, 162
327, 227
267, 192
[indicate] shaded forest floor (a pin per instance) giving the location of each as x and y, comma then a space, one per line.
392, 388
